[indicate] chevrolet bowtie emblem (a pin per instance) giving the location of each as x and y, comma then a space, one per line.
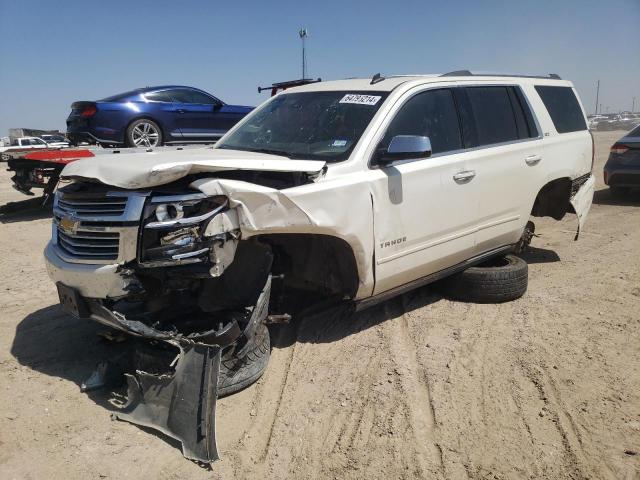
69, 225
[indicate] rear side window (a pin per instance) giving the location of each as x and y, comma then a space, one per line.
521, 108
191, 96
493, 115
162, 96
563, 107
635, 132
431, 114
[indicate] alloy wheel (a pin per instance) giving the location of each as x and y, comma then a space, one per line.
145, 135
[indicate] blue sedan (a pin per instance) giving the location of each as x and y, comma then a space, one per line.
153, 116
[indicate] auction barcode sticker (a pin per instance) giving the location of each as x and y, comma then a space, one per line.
360, 99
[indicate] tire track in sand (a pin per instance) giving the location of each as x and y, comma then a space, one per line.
414, 384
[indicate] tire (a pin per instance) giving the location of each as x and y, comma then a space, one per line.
243, 365
144, 133
619, 192
498, 280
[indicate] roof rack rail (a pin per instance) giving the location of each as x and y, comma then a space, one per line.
468, 73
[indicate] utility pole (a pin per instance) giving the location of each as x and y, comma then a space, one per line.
303, 36
597, 95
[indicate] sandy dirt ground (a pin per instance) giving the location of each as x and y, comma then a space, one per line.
546, 387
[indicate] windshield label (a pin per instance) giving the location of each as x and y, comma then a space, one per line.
339, 143
360, 99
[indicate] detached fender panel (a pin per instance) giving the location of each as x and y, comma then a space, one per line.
581, 202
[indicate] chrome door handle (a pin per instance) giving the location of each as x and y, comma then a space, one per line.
464, 177
180, 110
532, 160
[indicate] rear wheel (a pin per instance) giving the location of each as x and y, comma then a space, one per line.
498, 280
144, 133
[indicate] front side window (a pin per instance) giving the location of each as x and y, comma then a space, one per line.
563, 107
310, 125
429, 114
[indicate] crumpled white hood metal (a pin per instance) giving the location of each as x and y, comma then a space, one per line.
150, 169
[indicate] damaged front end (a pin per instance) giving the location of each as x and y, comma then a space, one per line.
171, 272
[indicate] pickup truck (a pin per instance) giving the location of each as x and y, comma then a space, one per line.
348, 191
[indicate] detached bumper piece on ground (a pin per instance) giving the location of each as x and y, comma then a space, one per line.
173, 377
181, 405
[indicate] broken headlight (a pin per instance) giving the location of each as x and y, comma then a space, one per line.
173, 228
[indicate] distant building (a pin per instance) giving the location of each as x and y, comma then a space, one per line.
30, 132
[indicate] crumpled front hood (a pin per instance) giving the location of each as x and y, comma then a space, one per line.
150, 169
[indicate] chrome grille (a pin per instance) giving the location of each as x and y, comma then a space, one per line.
94, 225
93, 206
89, 245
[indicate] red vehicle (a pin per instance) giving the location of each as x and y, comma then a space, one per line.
40, 169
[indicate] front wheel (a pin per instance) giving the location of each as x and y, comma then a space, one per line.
144, 133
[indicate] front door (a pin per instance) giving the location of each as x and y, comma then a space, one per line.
198, 115
425, 209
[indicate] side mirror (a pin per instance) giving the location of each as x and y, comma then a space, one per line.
217, 106
403, 147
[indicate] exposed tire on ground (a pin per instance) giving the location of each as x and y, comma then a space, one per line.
243, 365
143, 133
619, 192
498, 280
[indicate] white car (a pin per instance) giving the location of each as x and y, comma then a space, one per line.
352, 191
24, 143
595, 119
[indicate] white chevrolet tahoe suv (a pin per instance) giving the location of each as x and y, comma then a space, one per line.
350, 190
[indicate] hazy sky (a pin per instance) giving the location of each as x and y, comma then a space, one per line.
53, 53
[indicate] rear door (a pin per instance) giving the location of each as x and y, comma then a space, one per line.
507, 159
199, 115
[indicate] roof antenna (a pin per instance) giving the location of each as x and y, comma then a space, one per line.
376, 79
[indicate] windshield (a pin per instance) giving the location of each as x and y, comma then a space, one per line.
311, 125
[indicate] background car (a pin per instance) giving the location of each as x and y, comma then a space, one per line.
622, 170
628, 121
153, 116
55, 140
594, 120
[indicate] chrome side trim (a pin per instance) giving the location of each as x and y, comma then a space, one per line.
449, 238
